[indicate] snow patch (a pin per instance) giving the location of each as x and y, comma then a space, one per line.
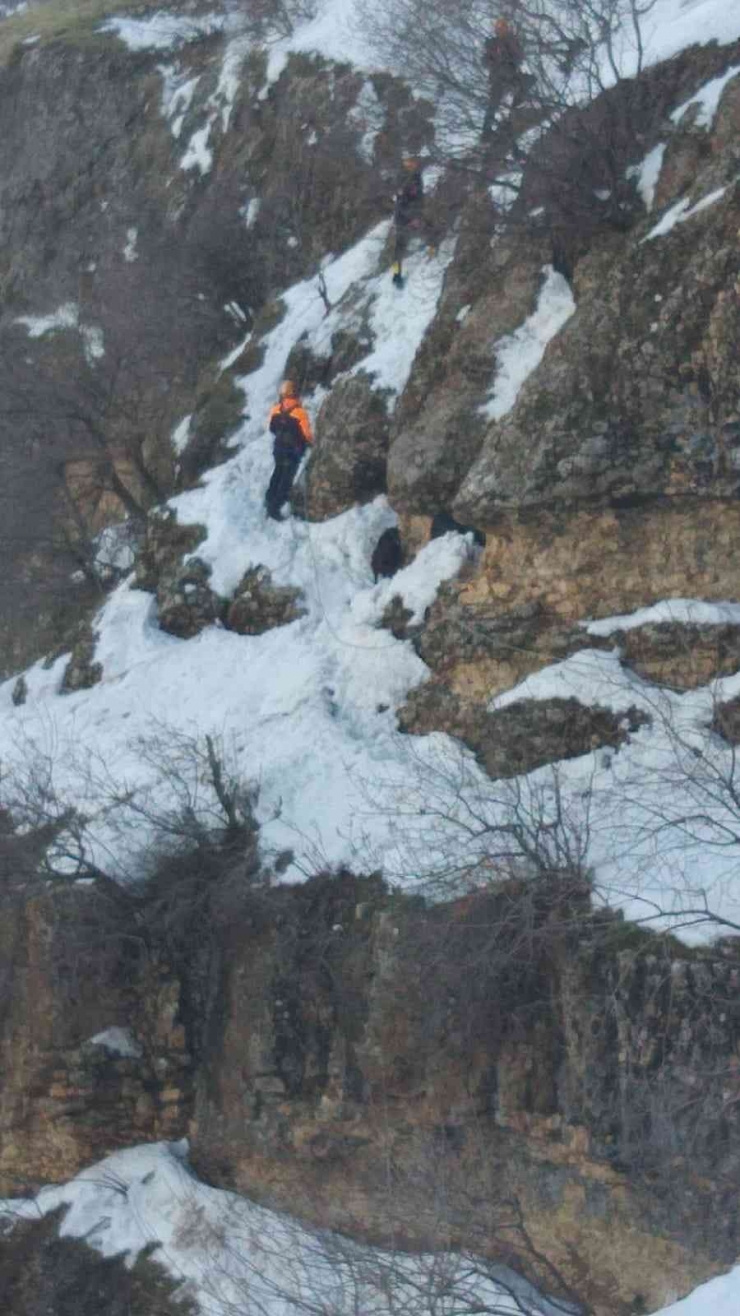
120, 1041
647, 174
66, 317
178, 90
691, 612
720, 1297
232, 1255
592, 676
251, 211
707, 100
114, 549
680, 212
368, 115
417, 584
227, 362
163, 31
520, 353
223, 98
198, 154
180, 435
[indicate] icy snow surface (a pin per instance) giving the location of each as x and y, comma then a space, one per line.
519, 354
234, 1256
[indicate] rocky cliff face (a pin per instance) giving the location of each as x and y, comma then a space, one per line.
375, 1065
612, 481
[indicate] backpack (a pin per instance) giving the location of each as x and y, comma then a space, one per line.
288, 433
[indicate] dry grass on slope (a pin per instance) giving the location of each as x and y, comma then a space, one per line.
78, 19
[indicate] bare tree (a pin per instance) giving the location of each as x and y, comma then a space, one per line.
489, 125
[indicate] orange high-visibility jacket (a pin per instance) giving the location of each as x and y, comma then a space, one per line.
292, 407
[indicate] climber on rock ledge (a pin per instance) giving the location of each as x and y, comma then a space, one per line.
291, 428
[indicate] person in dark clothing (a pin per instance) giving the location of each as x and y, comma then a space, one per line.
502, 56
443, 523
407, 214
387, 556
291, 428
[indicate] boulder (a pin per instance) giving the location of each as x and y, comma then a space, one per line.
186, 604
259, 605
20, 692
82, 672
680, 654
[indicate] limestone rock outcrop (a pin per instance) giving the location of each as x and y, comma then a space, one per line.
522, 736
348, 465
513, 1045
78, 968
438, 429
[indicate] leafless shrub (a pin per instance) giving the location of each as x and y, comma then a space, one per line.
189, 800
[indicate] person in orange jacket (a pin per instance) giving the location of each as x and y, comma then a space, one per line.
502, 55
292, 435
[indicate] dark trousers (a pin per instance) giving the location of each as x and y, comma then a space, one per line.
401, 244
286, 465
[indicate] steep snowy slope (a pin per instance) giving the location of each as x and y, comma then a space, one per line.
307, 712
